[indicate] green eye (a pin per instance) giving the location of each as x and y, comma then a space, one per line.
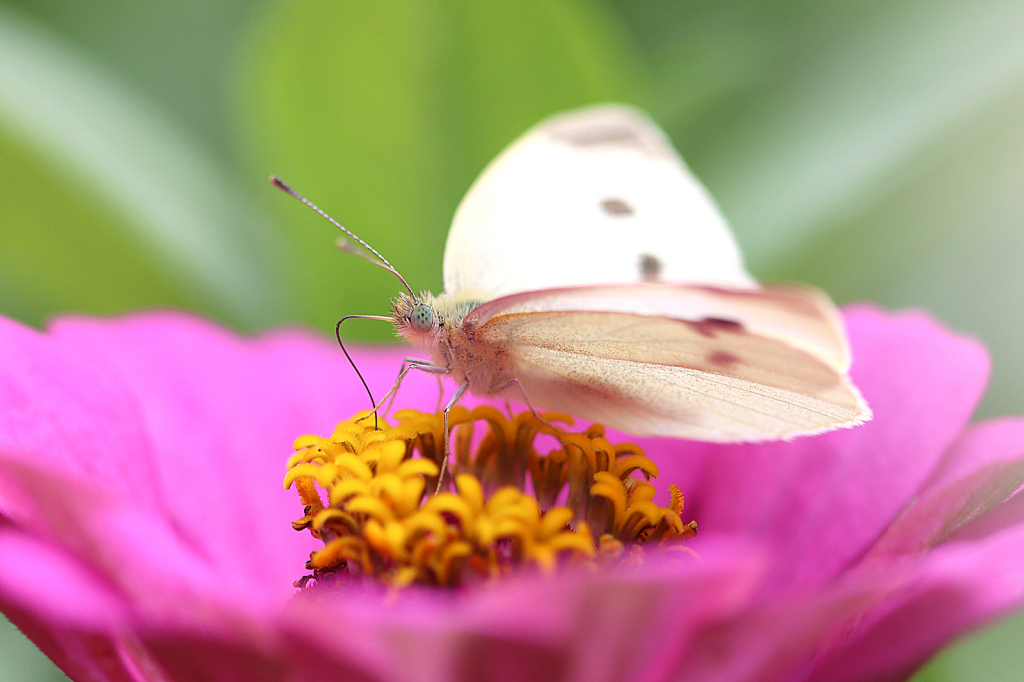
421, 318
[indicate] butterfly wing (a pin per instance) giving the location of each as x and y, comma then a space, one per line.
568, 235
683, 361
593, 196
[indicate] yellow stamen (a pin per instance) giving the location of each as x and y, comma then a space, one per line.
379, 522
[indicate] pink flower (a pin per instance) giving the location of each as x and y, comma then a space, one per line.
145, 535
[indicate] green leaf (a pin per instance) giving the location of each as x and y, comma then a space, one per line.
949, 236
106, 205
180, 54
819, 106
384, 113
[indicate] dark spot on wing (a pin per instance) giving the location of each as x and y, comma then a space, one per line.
616, 207
650, 267
722, 358
722, 322
600, 134
710, 326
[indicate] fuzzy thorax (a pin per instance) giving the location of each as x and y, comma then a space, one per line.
440, 334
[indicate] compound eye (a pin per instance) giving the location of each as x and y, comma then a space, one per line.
421, 318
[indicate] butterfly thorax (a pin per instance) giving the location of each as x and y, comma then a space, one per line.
447, 342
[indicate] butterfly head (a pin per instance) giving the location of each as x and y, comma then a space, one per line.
415, 319
413, 314
427, 321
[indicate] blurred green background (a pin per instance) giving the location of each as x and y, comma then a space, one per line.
874, 148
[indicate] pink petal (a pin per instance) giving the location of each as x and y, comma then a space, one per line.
64, 407
193, 656
221, 413
1006, 515
158, 443
135, 552
55, 585
768, 641
152, 458
601, 627
65, 609
820, 501
83, 655
983, 469
954, 589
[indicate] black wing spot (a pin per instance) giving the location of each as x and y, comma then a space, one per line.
617, 207
722, 358
724, 323
711, 326
650, 267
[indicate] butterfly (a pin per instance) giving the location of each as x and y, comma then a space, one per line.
587, 271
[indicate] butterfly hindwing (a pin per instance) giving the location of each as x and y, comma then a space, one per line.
724, 377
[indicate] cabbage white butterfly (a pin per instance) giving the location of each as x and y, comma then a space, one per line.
588, 272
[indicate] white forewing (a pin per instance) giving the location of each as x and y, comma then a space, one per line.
595, 196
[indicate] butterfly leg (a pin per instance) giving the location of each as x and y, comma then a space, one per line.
447, 409
526, 398
407, 364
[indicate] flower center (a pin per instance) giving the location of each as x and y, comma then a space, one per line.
380, 522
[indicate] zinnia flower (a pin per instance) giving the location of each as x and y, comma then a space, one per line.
145, 534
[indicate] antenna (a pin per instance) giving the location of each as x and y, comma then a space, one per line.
337, 335
376, 258
369, 253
